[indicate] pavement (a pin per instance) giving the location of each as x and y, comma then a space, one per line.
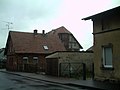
91, 84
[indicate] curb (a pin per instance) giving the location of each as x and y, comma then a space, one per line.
83, 86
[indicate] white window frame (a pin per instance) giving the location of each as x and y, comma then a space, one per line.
25, 58
45, 47
35, 58
108, 57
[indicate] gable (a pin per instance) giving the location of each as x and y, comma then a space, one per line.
66, 37
59, 30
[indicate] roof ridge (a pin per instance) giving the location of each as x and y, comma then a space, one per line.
61, 29
20, 32
26, 32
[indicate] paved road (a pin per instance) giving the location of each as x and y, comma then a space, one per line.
14, 82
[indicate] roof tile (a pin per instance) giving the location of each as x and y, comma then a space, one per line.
29, 43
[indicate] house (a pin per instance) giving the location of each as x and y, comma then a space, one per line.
64, 63
106, 32
67, 38
27, 51
2, 58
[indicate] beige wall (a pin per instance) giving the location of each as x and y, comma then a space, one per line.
75, 59
82, 57
104, 38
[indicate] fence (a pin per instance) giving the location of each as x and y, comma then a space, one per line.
28, 67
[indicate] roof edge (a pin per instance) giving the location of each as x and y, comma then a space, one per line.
106, 11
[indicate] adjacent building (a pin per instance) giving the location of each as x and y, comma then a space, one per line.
66, 63
67, 38
27, 51
106, 32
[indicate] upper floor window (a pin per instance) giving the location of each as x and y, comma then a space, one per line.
107, 56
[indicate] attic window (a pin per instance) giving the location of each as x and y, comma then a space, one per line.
45, 47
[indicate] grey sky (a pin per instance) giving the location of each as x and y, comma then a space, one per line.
23, 13
27, 15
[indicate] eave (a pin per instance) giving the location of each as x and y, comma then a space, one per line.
108, 12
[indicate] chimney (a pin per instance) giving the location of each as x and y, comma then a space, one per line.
43, 32
35, 32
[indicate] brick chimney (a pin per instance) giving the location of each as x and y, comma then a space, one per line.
43, 32
35, 32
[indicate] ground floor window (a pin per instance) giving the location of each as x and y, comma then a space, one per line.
35, 60
107, 57
25, 60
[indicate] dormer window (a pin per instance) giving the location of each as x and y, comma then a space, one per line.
45, 47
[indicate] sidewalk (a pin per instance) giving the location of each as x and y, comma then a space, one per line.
69, 81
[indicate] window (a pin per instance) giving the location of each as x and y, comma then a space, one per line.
25, 60
107, 57
35, 60
45, 47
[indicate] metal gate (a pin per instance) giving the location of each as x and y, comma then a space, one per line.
76, 70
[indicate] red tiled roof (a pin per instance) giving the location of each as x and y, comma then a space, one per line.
60, 30
29, 43
63, 30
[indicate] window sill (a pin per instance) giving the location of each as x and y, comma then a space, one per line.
106, 68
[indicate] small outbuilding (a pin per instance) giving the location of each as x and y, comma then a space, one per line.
68, 62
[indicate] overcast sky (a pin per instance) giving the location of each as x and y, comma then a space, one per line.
27, 15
